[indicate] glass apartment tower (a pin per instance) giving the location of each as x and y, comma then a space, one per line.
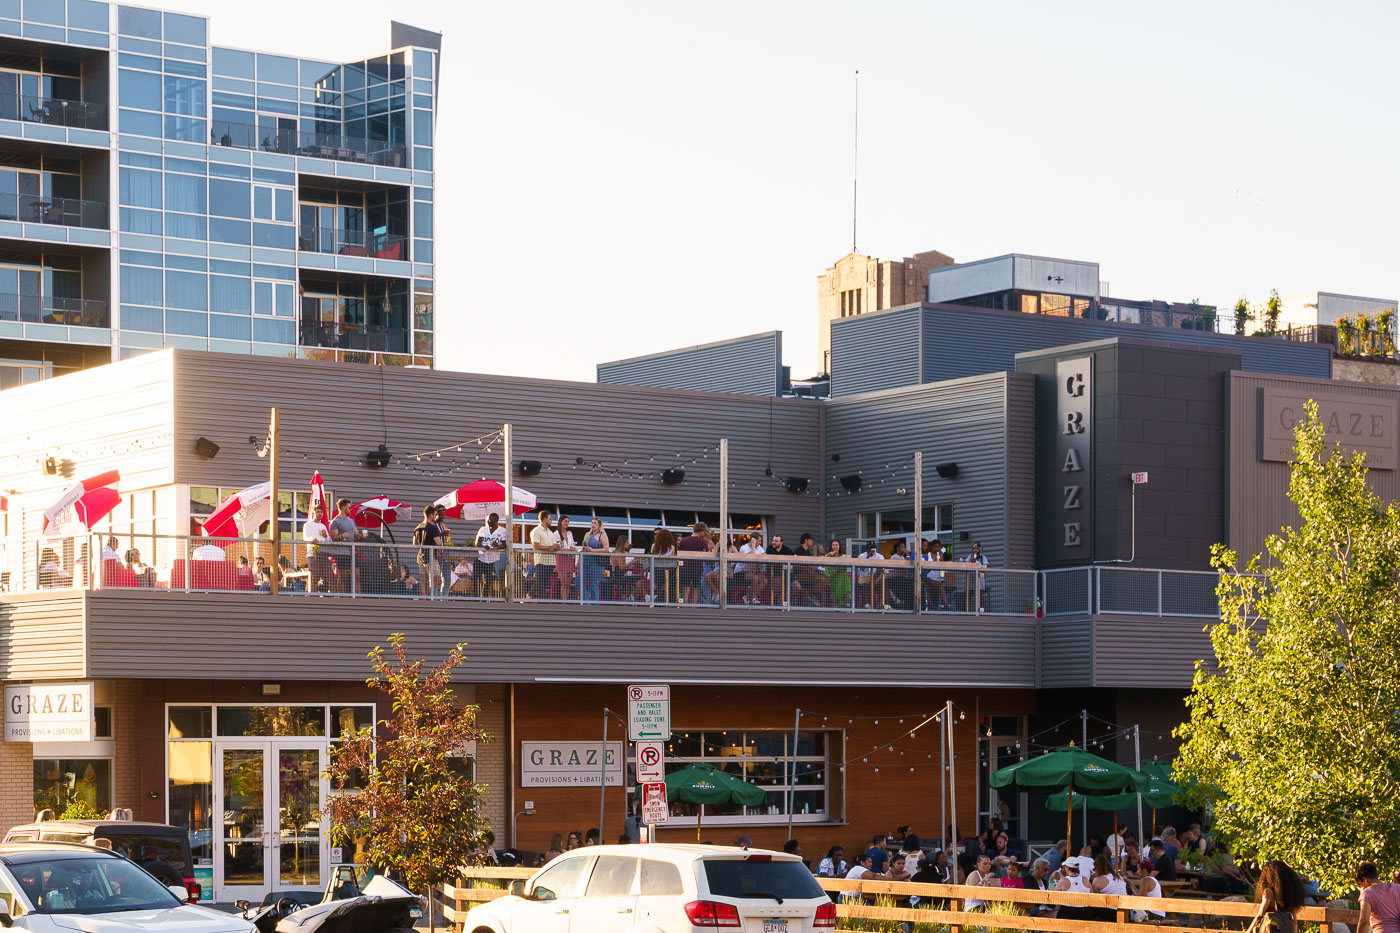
160, 191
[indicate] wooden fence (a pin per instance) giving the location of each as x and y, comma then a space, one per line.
1184, 913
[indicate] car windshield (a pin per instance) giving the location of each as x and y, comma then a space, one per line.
89, 886
744, 878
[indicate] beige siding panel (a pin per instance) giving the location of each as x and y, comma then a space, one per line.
332, 412
41, 636
961, 421
1257, 490
326, 638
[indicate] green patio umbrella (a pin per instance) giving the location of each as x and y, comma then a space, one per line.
1158, 794
706, 784
1073, 770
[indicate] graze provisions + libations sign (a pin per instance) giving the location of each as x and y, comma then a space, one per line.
569, 764
48, 713
1356, 422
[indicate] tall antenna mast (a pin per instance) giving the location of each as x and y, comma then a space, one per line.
855, 161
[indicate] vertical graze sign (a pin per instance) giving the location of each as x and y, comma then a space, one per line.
1074, 457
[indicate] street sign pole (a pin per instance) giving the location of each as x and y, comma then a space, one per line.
603, 775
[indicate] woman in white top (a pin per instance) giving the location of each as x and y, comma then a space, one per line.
1106, 877
982, 877
1148, 887
565, 564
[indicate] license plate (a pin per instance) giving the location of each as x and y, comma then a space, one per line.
775, 925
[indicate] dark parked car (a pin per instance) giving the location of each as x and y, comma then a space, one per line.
162, 850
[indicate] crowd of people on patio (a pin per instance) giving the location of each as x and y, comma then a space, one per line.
556, 562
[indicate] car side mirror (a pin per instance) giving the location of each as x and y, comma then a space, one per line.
517, 889
179, 890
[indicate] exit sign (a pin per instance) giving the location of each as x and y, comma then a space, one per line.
1139, 479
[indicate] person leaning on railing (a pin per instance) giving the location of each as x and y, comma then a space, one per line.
838, 579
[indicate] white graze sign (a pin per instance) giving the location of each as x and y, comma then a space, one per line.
48, 713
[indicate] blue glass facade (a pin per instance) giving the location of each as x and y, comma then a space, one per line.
205, 197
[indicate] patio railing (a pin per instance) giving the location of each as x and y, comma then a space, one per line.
389, 570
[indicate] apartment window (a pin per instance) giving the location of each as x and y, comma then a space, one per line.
766, 758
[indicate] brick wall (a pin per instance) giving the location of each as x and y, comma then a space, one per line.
881, 283
491, 758
126, 731
16, 783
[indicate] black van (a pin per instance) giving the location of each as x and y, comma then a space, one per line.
162, 850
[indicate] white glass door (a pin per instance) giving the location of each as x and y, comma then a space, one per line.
271, 835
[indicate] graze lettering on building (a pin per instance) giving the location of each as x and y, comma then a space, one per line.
1074, 440
1355, 423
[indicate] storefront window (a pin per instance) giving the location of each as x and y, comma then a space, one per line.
761, 757
348, 719
192, 793
59, 782
191, 722
272, 720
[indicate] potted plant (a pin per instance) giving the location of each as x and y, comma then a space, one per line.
1346, 331
1385, 325
1364, 329
1035, 607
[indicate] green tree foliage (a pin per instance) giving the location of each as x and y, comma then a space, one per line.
1272, 309
1242, 316
1296, 728
81, 810
411, 806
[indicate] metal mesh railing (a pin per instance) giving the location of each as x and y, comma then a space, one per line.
1144, 591
1067, 592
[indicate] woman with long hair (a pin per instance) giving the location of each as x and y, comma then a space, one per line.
1279, 892
663, 572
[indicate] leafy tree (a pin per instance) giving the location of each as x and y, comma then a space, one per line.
403, 800
1242, 316
1272, 309
81, 810
1294, 732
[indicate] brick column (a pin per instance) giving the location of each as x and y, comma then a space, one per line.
491, 758
126, 732
16, 783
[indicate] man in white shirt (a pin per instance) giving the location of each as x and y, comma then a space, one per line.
491, 538
865, 576
315, 533
753, 576
545, 541
109, 550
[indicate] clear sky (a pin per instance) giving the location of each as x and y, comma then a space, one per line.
620, 178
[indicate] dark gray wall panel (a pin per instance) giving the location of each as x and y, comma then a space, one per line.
327, 638
746, 365
1149, 652
1066, 653
877, 351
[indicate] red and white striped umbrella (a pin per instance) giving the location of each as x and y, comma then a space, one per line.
241, 514
381, 511
318, 497
475, 501
82, 505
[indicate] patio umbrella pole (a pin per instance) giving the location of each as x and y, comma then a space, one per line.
699, 815
1069, 821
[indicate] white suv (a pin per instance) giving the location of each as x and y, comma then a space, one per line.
662, 889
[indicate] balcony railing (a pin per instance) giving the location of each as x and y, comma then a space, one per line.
66, 212
54, 111
307, 143
375, 339
46, 309
374, 569
315, 239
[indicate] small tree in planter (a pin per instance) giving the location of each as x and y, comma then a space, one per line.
1346, 333
1272, 309
1242, 316
1385, 327
1364, 328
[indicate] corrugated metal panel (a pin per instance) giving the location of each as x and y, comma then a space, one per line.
1066, 653
1146, 653
1057, 276
962, 342
1257, 501
113, 417
331, 412
876, 351
291, 639
966, 279
41, 636
1020, 470
746, 365
960, 422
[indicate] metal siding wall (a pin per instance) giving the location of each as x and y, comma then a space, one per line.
331, 411
76, 417
871, 352
1256, 491
971, 278
962, 342
961, 422
747, 366
1035, 274
293, 641
41, 636
1066, 653
1145, 653
1020, 470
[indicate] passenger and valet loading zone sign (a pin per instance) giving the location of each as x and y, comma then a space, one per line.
1074, 401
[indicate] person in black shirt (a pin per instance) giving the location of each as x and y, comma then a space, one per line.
780, 575
810, 584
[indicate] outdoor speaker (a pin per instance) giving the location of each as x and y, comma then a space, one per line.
850, 483
947, 470
797, 484
530, 467
204, 447
672, 476
378, 458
